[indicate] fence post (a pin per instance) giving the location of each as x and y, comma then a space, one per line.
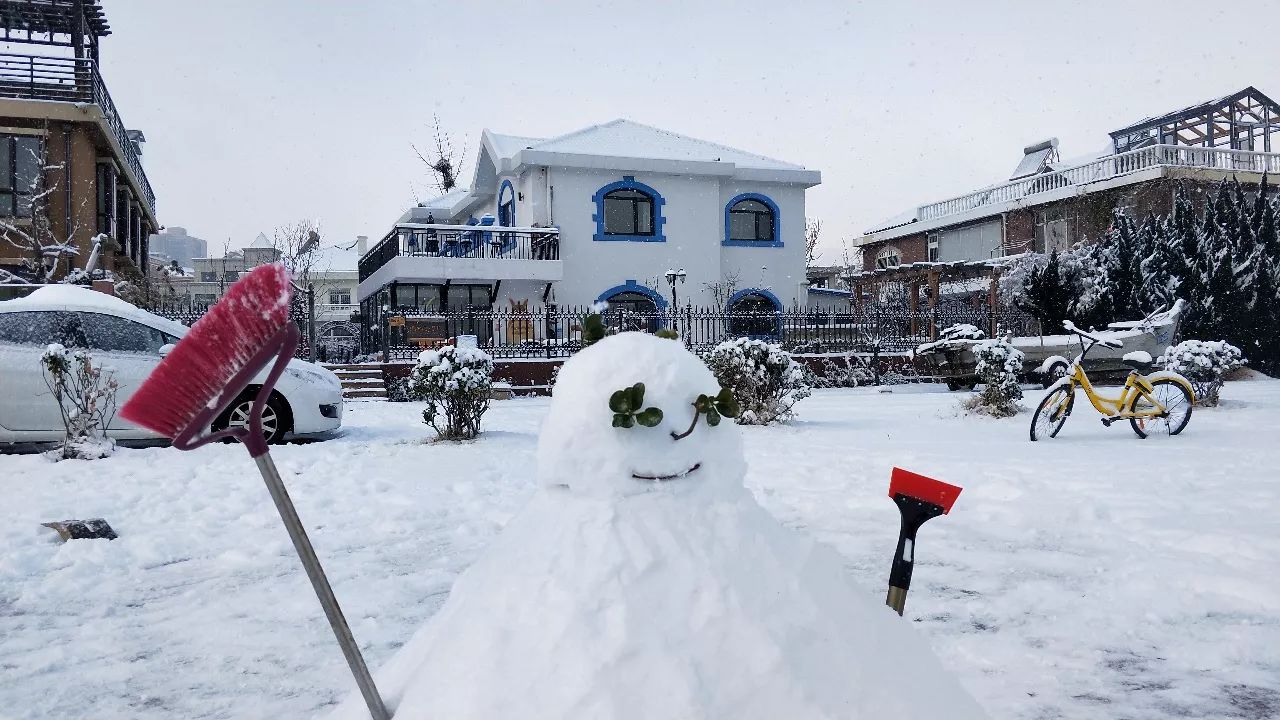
311, 320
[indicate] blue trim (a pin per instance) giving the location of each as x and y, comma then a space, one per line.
628, 182
764, 293
777, 222
634, 287
506, 185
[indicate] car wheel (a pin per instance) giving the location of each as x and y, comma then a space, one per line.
275, 417
1056, 372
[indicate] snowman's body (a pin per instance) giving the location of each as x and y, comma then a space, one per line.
616, 597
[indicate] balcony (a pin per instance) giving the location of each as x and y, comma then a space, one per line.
463, 252
1154, 156
72, 80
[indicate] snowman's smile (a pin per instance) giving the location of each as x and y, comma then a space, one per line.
663, 478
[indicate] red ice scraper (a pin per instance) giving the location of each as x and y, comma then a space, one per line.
918, 498
205, 372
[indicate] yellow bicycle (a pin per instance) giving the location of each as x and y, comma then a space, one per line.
1157, 404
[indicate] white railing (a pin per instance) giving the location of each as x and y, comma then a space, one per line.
1103, 168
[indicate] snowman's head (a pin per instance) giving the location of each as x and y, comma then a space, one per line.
582, 449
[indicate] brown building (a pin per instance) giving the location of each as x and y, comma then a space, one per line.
1051, 204
70, 170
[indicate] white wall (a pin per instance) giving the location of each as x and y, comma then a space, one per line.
694, 230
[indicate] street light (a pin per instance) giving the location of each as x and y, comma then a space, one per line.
672, 277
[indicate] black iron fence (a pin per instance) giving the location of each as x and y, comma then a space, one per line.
556, 332
462, 242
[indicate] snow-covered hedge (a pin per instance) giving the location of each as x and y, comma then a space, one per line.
455, 383
1204, 363
764, 379
842, 371
86, 397
999, 363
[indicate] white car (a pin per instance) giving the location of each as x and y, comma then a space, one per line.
130, 341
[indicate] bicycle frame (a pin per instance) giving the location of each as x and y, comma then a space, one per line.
1113, 408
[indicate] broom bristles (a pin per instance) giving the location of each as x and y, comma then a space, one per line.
193, 377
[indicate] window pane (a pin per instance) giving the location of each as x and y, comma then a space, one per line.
26, 328
30, 160
115, 334
6, 204
24, 204
428, 298
405, 296
619, 218
6, 156
751, 206
764, 226
644, 217
742, 226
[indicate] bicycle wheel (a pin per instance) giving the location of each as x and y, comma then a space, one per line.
1052, 412
1177, 404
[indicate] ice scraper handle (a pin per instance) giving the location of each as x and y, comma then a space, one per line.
914, 513
320, 583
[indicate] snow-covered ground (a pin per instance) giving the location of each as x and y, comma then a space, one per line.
1095, 575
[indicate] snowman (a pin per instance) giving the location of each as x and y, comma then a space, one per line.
643, 581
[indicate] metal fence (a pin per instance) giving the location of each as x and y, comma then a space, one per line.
556, 332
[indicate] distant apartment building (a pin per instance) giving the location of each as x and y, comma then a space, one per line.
70, 170
1050, 204
174, 244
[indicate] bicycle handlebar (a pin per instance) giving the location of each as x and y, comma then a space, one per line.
1101, 341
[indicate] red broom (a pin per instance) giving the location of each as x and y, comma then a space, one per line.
204, 373
919, 499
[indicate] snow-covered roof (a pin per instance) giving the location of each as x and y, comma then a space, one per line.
626, 144
262, 241
81, 299
334, 258
449, 204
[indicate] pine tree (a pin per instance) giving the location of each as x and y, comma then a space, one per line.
1168, 272
1048, 295
1261, 345
1120, 259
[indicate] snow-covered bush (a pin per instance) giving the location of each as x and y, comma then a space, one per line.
841, 371
455, 383
1204, 363
764, 379
86, 397
999, 363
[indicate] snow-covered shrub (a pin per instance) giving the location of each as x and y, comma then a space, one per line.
999, 363
763, 378
86, 397
842, 371
1204, 363
455, 383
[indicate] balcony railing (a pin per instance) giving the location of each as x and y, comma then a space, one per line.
462, 242
1104, 168
75, 80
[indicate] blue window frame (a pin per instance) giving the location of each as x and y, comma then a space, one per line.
628, 211
633, 306
752, 220
506, 204
754, 312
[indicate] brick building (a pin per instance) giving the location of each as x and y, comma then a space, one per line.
70, 170
1049, 204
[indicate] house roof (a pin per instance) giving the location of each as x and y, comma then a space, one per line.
626, 144
261, 241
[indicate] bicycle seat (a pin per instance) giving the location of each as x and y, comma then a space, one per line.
1139, 360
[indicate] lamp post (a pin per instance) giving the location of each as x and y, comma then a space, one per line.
672, 277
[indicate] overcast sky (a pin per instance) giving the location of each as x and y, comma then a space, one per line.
260, 113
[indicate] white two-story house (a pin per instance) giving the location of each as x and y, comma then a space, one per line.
599, 214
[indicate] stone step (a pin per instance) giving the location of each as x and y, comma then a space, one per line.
366, 394
337, 368
358, 374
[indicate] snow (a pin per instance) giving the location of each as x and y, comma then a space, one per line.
1141, 357
1092, 575
612, 596
630, 139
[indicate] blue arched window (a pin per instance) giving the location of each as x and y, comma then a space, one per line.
633, 306
629, 210
506, 204
752, 220
754, 312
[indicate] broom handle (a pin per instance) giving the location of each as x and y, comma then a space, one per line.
321, 585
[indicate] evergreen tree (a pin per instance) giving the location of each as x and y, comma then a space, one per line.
1261, 344
1120, 257
1048, 295
1169, 272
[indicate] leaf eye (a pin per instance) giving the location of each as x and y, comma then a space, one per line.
626, 404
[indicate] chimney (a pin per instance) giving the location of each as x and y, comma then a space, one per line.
362, 244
